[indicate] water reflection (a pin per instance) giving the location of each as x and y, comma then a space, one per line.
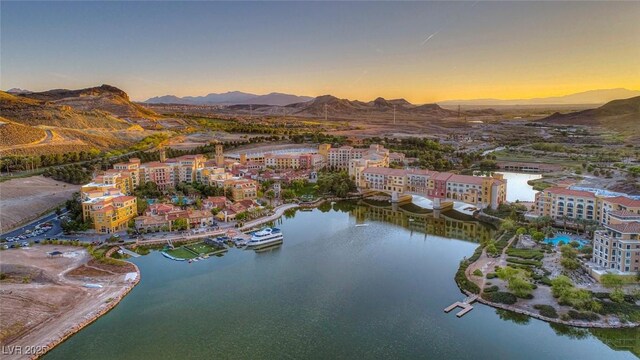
449, 224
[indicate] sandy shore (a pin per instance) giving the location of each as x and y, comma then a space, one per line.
39, 313
27, 198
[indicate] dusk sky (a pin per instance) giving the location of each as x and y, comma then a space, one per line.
423, 52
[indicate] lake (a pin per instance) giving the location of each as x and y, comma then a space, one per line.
517, 187
332, 290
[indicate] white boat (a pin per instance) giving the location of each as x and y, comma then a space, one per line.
265, 237
361, 225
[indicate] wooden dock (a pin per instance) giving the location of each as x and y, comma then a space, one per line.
464, 304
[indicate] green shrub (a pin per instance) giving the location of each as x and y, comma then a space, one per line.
546, 310
525, 253
492, 275
493, 288
463, 282
500, 297
583, 315
477, 272
524, 262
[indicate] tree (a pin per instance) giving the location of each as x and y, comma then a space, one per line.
570, 264
287, 194
560, 284
538, 236
141, 205
242, 216
521, 231
517, 281
507, 225
215, 211
270, 194
180, 224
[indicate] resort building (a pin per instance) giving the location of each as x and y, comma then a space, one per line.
110, 211
563, 204
242, 189
616, 249
133, 167
480, 191
340, 158
616, 203
161, 217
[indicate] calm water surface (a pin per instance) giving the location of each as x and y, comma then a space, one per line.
517, 187
331, 291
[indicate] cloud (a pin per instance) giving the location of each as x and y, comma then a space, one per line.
424, 42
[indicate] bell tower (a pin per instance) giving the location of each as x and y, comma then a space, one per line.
219, 155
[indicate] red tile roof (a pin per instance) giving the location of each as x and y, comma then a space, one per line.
564, 191
626, 228
384, 171
624, 213
624, 201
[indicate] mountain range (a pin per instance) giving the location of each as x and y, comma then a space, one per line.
231, 98
591, 97
345, 108
622, 115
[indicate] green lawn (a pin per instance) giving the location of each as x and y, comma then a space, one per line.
202, 248
181, 253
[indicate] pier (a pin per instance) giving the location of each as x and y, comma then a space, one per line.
464, 304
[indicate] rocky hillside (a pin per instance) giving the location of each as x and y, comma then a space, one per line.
620, 115
347, 108
33, 112
60, 120
103, 98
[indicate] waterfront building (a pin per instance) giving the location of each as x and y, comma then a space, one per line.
563, 204
616, 249
480, 191
340, 158
109, 211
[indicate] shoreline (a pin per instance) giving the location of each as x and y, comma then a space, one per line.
89, 318
603, 324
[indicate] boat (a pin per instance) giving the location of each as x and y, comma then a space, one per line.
240, 242
264, 238
361, 225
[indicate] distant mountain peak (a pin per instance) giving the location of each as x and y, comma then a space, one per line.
593, 97
231, 98
18, 91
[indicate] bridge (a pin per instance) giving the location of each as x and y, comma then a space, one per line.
406, 196
128, 252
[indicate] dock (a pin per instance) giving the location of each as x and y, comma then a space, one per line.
464, 304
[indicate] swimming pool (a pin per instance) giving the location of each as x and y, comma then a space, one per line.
561, 239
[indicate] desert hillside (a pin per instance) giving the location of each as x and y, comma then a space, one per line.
621, 115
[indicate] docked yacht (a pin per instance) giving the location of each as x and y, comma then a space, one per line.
265, 237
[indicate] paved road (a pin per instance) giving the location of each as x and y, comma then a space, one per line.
51, 218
